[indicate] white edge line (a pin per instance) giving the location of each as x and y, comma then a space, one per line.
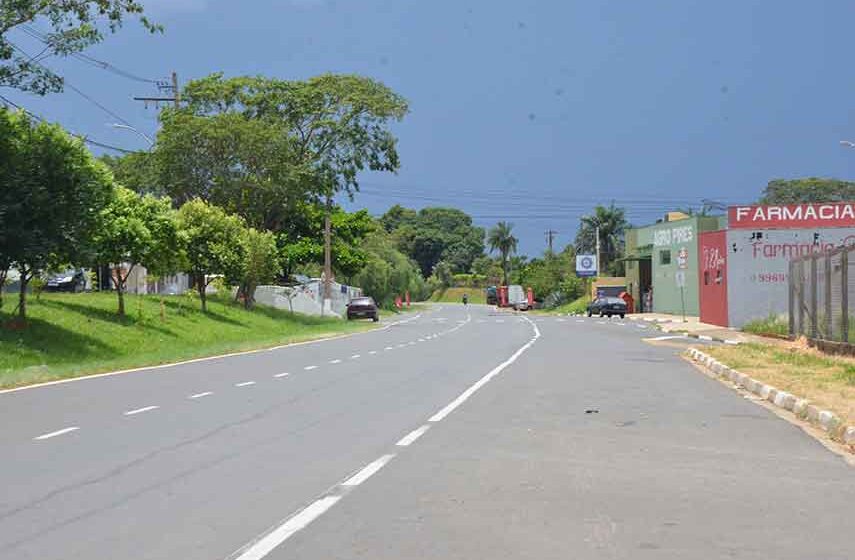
196, 360
449, 408
265, 545
367, 471
413, 436
139, 410
200, 395
56, 433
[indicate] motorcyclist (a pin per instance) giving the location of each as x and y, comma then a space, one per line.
465, 299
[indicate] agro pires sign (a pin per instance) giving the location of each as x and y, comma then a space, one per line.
792, 216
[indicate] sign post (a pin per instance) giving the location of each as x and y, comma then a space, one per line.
680, 280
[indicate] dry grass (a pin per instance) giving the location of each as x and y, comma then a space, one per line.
827, 381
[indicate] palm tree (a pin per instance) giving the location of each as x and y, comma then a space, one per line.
612, 223
500, 238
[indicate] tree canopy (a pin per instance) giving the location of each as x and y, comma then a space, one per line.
810, 189
501, 239
74, 26
612, 223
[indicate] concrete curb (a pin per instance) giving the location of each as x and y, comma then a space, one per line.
713, 338
823, 419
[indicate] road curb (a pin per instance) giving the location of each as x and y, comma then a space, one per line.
825, 420
709, 338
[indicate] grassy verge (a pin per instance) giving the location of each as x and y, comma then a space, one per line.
826, 381
70, 335
578, 306
455, 295
772, 325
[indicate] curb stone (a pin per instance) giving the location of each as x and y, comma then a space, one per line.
801, 408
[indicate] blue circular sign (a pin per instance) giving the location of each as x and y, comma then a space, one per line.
587, 262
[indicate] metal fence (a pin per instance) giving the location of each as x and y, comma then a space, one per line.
822, 295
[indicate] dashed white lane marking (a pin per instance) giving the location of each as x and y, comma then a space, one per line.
335, 361
245, 384
283, 374
140, 410
413, 436
265, 545
580, 320
411, 343
421, 340
500, 320
400, 346
449, 408
388, 348
200, 395
368, 471
373, 352
355, 356
310, 368
56, 433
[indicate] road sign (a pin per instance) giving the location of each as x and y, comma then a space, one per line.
680, 279
683, 258
586, 265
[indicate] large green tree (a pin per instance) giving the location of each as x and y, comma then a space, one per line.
501, 239
811, 189
213, 244
388, 272
52, 193
611, 223
74, 25
434, 234
137, 230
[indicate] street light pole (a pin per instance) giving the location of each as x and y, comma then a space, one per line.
143, 135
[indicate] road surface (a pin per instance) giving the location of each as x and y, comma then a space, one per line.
459, 434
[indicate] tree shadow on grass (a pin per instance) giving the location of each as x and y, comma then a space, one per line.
54, 345
181, 307
107, 316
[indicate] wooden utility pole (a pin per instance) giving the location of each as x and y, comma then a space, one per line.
327, 255
550, 235
176, 93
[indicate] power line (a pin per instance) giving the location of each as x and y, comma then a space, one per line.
92, 61
9, 103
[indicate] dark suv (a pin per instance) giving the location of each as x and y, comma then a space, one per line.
607, 306
363, 308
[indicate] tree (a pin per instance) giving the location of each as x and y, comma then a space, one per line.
435, 234
136, 171
53, 192
501, 239
137, 230
811, 189
260, 262
212, 244
388, 272
74, 26
612, 224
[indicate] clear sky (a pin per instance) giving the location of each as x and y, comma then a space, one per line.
531, 111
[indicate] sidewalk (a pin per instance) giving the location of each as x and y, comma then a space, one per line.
694, 328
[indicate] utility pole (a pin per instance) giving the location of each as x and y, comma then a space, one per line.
598, 251
327, 256
163, 86
550, 235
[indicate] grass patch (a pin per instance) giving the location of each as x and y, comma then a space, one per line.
771, 325
827, 381
455, 295
70, 335
577, 306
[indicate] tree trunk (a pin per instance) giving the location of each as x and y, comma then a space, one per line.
3, 274
505, 267
119, 283
22, 295
200, 284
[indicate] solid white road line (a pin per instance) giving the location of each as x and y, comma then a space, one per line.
139, 410
245, 384
335, 361
200, 395
265, 545
413, 436
310, 368
285, 374
56, 433
368, 471
449, 408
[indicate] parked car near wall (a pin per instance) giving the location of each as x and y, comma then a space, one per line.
69, 281
363, 308
607, 306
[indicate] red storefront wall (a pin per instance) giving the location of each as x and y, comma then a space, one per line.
713, 277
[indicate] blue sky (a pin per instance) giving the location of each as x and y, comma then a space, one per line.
532, 111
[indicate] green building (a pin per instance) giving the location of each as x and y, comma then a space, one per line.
662, 257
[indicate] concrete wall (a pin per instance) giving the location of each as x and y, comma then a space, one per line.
758, 267
307, 298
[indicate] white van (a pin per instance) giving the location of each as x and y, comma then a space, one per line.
517, 297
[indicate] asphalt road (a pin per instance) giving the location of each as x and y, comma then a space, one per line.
462, 433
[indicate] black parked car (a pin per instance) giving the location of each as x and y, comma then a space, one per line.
363, 308
607, 306
68, 281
